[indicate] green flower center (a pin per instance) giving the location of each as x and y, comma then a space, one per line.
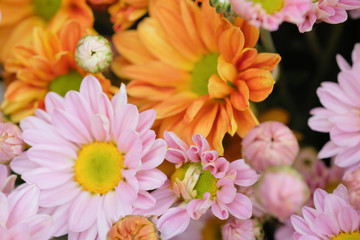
195, 181
203, 70
65, 83
98, 167
270, 6
46, 9
347, 236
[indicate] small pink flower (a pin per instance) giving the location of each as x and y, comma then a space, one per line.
7, 181
11, 142
332, 218
330, 11
19, 218
237, 229
202, 180
270, 144
93, 158
282, 191
270, 14
339, 116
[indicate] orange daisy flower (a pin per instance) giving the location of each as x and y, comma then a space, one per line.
125, 13
197, 70
21, 16
47, 64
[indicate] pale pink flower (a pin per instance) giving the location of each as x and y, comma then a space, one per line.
238, 229
333, 216
269, 144
270, 14
18, 215
330, 11
202, 180
340, 115
282, 191
93, 159
7, 181
11, 142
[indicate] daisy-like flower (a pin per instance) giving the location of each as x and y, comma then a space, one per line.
332, 218
269, 14
19, 218
197, 70
20, 17
125, 13
202, 180
340, 114
332, 12
48, 64
93, 159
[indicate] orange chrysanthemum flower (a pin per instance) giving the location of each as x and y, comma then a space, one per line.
47, 64
197, 70
125, 13
21, 16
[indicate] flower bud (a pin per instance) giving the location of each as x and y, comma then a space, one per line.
269, 144
237, 229
133, 227
11, 142
93, 53
282, 191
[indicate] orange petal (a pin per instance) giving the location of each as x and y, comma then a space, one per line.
260, 83
129, 45
194, 108
266, 61
246, 120
12, 14
240, 97
226, 70
231, 42
217, 87
149, 92
20, 91
245, 59
232, 124
251, 33
70, 35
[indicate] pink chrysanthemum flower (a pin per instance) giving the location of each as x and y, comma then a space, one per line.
269, 14
11, 142
340, 115
93, 159
332, 218
7, 181
330, 11
18, 215
202, 180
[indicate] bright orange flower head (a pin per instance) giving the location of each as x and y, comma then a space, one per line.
47, 64
125, 13
197, 70
19, 17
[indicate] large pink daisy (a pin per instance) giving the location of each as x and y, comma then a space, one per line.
202, 180
340, 115
93, 159
333, 218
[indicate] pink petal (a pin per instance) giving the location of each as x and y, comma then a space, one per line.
56, 196
348, 219
60, 218
76, 105
129, 141
245, 175
155, 156
342, 63
9, 184
226, 191
119, 99
4, 209
83, 211
219, 210
103, 220
175, 156
199, 140
23, 204
329, 149
341, 138
300, 225
197, 207
91, 90
32, 122
326, 225
241, 207
146, 120
132, 163
21, 164
194, 153
348, 82
126, 118
349, 157
165, 197
89, 233
209, 156
19, 232
41, 226
173, 222
342, 192
128, 189
147, 140
53, 101
222, 167
100, 127
46, 178
144, 200
70, 127
150, 179
319, 197
173, 141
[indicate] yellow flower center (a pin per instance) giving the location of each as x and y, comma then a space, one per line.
65, 83
46, 9
270, 6
191, 182
98, 167
347, 236
203, 70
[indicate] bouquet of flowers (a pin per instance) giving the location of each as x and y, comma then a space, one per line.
180, 119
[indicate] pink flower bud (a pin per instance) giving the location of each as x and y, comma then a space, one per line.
282, 191
11, 142
270, 144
